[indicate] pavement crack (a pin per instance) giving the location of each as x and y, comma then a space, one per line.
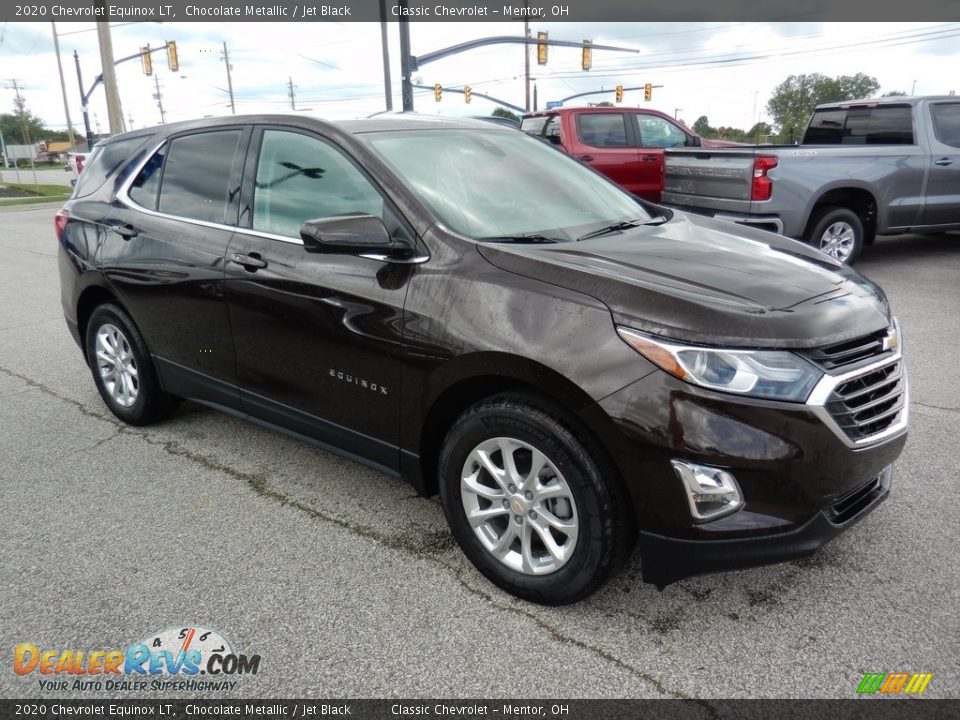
945, 408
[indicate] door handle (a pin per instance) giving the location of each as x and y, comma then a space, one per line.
251, 261
585, 158
125, 231
650, 158
942, 162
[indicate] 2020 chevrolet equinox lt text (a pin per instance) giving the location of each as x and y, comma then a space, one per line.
575, 372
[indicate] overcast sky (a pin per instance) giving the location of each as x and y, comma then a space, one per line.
726, 71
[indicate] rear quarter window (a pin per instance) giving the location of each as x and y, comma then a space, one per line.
104, 162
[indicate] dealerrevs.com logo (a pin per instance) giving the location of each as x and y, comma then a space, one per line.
169, 660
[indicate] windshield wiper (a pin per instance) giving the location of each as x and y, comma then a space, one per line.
623, 225
528, 238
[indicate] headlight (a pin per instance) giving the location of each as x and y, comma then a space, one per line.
770, 374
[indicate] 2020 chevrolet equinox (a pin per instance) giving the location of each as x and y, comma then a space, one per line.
575, 372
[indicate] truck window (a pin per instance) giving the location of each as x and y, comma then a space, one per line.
544, 127
887, 125
659, 133
946, 123
602, 129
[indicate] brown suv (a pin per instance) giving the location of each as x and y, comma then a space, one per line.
458, 304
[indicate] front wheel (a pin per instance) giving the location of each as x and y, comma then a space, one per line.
838, 232
533, 508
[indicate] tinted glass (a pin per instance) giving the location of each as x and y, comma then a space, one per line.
602, 129
104, 162
657, 132
301, 178
143, 189
946, 123
196, 176
888, 125
498, 183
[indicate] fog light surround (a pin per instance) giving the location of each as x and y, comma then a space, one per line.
711, 492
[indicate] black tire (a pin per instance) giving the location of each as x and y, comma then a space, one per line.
603, 513
828, 216
151, 402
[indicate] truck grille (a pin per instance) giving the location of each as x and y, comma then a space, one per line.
870, 403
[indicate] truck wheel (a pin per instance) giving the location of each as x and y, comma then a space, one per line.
838, 232
122, 368
531, 506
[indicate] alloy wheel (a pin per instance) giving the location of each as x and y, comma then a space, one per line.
837, 240
117, 365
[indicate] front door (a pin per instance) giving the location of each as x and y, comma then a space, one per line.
942, 205
605, 143
317, 335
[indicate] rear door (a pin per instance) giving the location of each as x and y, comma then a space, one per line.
317, 335
606, 142
942, 206
177, 216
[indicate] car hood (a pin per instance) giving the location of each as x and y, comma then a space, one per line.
707, 281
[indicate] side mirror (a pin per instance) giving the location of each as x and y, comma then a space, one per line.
357, 234
695, 141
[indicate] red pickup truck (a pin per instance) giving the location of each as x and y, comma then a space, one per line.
625, 144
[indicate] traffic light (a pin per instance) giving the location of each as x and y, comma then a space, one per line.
467, 92
146, 60
437, 92
542, 49
619, 94
587, 60
173, 62
648, 92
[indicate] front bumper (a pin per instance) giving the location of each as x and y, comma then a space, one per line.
667, 560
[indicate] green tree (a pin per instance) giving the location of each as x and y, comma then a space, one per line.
894, 93
759, 131
795, 98
504, 113
702, 127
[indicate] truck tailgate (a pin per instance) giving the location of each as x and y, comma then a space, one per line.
714, 178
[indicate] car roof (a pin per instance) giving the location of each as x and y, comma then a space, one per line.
888, 100
381, 122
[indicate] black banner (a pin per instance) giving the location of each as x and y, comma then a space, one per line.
860, 709
478, 10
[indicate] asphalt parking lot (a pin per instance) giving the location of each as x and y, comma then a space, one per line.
349, 585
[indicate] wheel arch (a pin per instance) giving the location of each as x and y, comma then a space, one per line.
90, 298
859, 199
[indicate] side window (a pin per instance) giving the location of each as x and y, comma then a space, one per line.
879, 126
602, 129
196, 176
658, 133
302, 178
143, 189
946, 123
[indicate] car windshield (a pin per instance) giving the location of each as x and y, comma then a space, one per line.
502, 185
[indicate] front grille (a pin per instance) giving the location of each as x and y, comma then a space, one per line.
850, 352
870, 403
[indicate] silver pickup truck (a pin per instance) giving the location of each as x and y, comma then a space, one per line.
864, 168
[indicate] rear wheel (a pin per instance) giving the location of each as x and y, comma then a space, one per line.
122, 368
838, 232
534, 509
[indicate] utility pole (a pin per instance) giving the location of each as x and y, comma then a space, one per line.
114, 112
63, 85
676, 113
159, 98
387, 90
406, 66
526, 60
21, 110
290, 94
226, 58
131, 121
